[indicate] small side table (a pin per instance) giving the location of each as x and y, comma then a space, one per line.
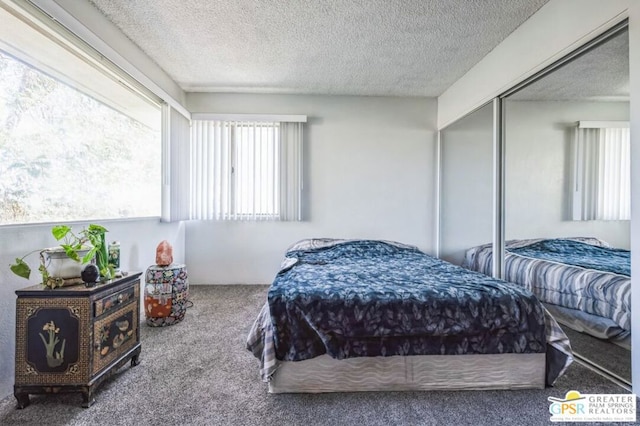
166, 293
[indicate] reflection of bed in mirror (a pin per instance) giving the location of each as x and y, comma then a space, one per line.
583, 282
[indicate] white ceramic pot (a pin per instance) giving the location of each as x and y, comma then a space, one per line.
59, 265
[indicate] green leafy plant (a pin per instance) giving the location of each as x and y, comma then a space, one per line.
91, 238
74, 243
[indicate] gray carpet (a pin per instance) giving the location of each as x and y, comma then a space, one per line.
198, 373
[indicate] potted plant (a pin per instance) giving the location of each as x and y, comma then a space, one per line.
65, 262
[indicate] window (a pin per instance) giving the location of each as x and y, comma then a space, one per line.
246, 170
77, 140
602, 171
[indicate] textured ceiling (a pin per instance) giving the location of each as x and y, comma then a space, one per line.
351, 47
601, 74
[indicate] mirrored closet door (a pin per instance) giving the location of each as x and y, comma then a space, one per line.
567, 193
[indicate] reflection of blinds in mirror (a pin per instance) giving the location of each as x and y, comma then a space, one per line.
602, 171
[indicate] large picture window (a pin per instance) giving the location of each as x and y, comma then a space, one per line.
76, 142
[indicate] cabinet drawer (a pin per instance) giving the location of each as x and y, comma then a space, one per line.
114, 301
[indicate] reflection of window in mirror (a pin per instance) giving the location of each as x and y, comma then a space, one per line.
601, 171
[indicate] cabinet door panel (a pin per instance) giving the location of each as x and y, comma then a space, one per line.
52, 341
114, 335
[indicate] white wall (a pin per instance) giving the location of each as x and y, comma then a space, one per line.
538, 164
369, 173
138, 239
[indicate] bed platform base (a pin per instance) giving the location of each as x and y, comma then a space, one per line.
410, 373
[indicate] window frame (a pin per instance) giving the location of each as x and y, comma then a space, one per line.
60, 36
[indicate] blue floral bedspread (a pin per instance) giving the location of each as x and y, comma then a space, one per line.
577, 253
374, 298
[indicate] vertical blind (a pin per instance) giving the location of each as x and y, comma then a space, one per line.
602, 173
244, 170
175, 165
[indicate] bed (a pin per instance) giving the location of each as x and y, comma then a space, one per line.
364, 315
582, 281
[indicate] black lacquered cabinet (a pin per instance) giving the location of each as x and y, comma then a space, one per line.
70, 339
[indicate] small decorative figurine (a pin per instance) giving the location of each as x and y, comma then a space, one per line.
90, 275
164, 254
